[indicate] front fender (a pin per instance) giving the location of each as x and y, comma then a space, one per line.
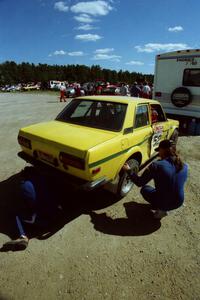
173, 124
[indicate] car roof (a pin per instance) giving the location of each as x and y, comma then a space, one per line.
119, 99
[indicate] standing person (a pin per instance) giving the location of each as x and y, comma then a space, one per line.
62, 93
151, 93
99, 89
169, 175
146, 90
77, 90
37, 206
123, 90
91, 88
85, 88
135, 90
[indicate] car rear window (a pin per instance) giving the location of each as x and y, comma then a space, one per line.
94, 113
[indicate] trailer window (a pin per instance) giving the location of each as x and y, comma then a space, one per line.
191, 77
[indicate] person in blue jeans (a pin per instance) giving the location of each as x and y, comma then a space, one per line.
37, 205
169, 175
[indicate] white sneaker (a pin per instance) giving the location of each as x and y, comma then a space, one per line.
159, 214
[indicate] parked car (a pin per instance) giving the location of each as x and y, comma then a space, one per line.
71, 92
11, 88
31, 87
92, 138
8, 88
109, 90
56, 84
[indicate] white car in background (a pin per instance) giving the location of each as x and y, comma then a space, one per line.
31, 86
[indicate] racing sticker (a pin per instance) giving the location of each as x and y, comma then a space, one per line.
156, 137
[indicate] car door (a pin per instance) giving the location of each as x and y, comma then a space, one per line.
159, 126
143, 130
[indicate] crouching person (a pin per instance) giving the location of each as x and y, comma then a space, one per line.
37, 206
169, 175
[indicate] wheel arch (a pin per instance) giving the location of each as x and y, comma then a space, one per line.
137, 156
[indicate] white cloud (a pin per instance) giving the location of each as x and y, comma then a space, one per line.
60, 5
153, 47
86, 27
135, 63
62, 52
76, 53
103, 51
95, 8
59, 52
100, 56
88, 37
175, 29
84, 18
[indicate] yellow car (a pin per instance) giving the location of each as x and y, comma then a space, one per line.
92, 138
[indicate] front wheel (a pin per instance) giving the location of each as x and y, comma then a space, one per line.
125, 184
174, 136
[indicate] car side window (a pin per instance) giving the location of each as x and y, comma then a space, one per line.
157, 114
142, 116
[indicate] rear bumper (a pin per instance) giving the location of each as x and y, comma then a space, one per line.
76, 182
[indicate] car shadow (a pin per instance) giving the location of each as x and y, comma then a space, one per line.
139, 221
74, 203
9, 205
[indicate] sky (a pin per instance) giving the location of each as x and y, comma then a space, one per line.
115, 34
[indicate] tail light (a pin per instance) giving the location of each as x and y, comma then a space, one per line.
70, 160
24, 142
95, 171
158, 94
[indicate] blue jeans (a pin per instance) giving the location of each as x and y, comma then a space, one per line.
150, 195
40, 205
157, 201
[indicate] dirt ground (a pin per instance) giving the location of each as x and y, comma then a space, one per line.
104, 249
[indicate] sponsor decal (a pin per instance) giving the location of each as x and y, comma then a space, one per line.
156, 138
187, 60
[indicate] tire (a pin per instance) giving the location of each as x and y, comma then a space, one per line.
125, 184
181, 97
174, 136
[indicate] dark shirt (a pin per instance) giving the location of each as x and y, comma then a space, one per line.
135, 91
169, 183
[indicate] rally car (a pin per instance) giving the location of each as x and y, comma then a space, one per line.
93, 136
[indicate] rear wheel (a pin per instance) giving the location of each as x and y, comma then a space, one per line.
125, 184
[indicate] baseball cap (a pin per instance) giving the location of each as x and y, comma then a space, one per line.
165, 144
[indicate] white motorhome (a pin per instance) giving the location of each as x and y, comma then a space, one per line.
177, 86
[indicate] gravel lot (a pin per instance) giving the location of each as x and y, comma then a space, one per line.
117, 252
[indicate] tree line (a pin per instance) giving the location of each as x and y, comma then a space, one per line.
13, 73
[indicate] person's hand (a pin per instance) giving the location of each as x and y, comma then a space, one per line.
126, 167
